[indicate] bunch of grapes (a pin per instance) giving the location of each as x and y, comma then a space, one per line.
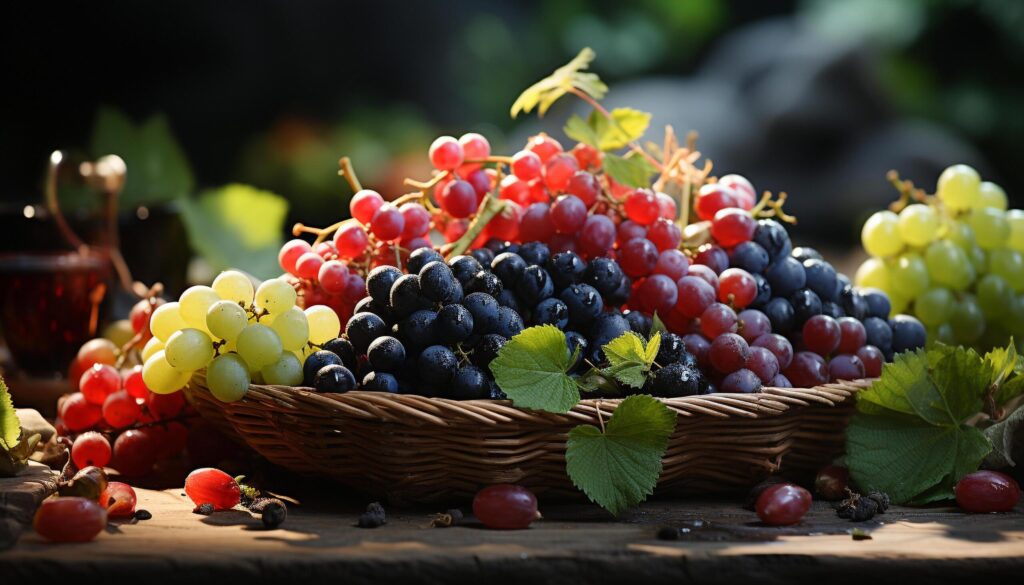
435, 330
238, 332
954, 259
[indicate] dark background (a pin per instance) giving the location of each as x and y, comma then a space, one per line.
815, 98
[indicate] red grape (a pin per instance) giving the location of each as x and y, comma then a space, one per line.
665, 234
69, 519
728, 353
90, 448
417, 220
290, 253
165, 406
134, 452
351, 241
718, 319
732, 226
714, 257
763, 363
753, 324
742, 381
642, 206
526, 165
781, 381
505, 507
364, 204
588, 156
119, 499
538, 192
628, 230
332, 276
638, 257
212, 486
505, 225
558, 170
704, 273
585, 186
536, 224
79, 414
597, 236
445, 153
872, 359
736, 287
326, 250
666, 206
852, 335
568, 214
779, 346
308, 265
543, 146
474, 147
98, 382
845, 367
783, 504
745, 194
415, 244
132, 381
657, 293
139, 317
695, 296
821, 335
673, 264
481, 182
458, 199
455, 229
714, 197
173, 437
355, 287
121, 410
563, 243
699, 346
987, 491
514, 189
387, 223
99, 351
807, 370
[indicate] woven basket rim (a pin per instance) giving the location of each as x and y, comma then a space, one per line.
419, 409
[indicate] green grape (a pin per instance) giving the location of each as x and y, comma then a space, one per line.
898, 302
990, 227
967, 320
1008, 264
881, 234
909, 276
991, 195
194, 304
259, 346
1015, 217
324, 324
227, 377
292, 327
994, 296
948, 265
942, 333
978, 261
189, 350
276, 296
287, 371
232, 285
152, 346
160, 377
165, 320
958, 187
934, 306
226, 319
873, 273
918, 224
961, 234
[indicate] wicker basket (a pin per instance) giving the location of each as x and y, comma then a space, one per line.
414, 449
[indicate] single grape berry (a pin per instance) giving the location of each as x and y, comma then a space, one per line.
728, 352
454, 323
742, 381
386, 354
362, 329
436, 366
676, 379
334, 379
486, 350
212, 486
470, 383
505, 507
90, 448
417, 260
783, 504
987, 491
438, 283
342, 348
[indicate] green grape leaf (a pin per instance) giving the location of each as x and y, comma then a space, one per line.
909, 437
1007, 437
626, 125
158, 171
237, 226
632, 171
531, 369
618, 468
10, 426
630, 358
1007, 372
570, 76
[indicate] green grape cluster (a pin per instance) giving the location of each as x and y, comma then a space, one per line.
955, 260
240, 333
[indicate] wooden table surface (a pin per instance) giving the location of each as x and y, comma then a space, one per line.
575, 543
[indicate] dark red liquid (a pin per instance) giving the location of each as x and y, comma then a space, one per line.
50, 304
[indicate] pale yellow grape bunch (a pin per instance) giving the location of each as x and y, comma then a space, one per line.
955, 260
238, 332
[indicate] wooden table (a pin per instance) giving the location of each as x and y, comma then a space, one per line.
575, 543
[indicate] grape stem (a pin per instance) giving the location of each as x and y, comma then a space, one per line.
345, 169
429, 184
907, 191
